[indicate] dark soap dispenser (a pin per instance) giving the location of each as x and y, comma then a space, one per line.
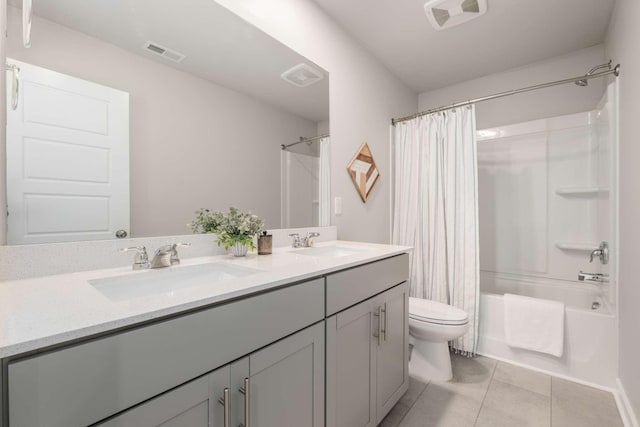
265, 244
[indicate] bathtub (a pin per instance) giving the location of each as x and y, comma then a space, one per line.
590, 347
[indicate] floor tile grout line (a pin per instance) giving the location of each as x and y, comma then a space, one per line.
522, 388
485, 393
413, 404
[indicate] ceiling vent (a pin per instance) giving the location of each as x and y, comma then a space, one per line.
164, 52
448, 13
302, 75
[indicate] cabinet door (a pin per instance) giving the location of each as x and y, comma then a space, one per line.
194, 404
286, 384
350, 367
392, 377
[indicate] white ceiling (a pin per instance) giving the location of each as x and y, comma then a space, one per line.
219, 46
511, 34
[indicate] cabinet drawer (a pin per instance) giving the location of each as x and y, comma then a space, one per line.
349, 287
83, 384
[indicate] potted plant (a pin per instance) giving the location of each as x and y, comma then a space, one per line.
235, 230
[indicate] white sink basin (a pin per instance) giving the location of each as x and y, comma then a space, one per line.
336, 251
167, 280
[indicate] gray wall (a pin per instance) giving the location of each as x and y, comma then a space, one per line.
534, 105
364, 96
193, 143
622, 46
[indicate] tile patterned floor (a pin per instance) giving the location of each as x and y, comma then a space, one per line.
487, 393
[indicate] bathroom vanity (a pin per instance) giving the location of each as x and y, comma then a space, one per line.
309, 338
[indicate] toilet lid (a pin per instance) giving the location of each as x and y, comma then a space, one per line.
436, 312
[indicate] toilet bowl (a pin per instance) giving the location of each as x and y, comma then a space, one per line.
431, 326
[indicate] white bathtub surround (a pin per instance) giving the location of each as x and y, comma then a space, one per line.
534, 324
26, 261
590, 335
435, 210
547, 191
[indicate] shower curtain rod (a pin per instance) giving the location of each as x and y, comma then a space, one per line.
303, 139
615, 71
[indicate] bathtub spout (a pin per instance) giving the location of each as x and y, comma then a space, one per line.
593, 277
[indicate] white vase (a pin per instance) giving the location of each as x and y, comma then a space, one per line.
239, 249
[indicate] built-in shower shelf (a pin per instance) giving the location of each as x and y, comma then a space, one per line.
576, 246
581, 191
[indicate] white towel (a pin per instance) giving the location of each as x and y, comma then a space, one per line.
534, 324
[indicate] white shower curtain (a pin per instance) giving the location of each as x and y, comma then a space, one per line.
435, 210
324, 181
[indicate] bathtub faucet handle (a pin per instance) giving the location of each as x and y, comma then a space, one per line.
602, 252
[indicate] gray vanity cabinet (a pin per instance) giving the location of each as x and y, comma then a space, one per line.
287, 382
392, 353
286, 388
367, 358
195, 404
351, 367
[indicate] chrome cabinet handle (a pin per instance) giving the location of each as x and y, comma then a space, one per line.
245, 390
378, 334
224, 401
383, 311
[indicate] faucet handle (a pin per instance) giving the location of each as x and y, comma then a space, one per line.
308, 241
175, 259
296, 240
141, 260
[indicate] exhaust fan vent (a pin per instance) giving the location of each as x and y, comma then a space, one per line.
302, 75
165, 52
449, 13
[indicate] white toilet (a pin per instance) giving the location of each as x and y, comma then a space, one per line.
431, 326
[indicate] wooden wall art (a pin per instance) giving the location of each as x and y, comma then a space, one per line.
363, 171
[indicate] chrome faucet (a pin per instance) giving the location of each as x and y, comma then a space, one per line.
593, 277
305, 242
164, 257
602, 252
167, 255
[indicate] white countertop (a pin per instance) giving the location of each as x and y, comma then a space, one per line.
40, 312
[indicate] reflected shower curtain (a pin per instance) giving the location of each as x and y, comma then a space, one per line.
324, 194
435, 210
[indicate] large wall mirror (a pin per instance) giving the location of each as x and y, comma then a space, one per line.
127, 116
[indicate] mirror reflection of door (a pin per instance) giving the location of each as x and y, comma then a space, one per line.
67, 158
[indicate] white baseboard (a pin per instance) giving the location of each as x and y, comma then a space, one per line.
624, 406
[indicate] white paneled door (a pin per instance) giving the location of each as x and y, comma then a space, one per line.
67, 158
